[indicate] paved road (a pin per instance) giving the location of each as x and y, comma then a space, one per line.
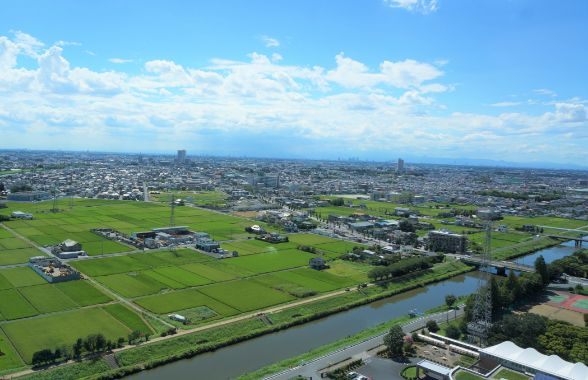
312, 368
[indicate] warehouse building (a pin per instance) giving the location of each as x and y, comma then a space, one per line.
29, 196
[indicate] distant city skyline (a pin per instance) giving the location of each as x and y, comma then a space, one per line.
502, 81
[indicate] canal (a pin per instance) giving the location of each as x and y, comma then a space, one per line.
249, 356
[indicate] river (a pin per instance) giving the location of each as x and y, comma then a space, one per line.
249, 356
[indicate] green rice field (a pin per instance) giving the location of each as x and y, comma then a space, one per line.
83, 293
52, 331
128, 317
183, 300
245, 295
22, 276
9, 358
273, 261
130, 286
47, 298
209, 272
14, 306
108, 265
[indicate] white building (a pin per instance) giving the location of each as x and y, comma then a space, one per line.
502, 228
181, 156
530, 360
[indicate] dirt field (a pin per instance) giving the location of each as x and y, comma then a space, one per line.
542, 305
247, 214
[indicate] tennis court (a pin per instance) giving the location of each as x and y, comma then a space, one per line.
557, 298
581, 304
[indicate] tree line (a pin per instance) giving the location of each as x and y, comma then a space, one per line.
402, 267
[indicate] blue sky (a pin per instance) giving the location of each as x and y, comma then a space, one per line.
376, 79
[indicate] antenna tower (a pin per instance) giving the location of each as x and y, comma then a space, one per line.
482, 315
172, 222
54, 192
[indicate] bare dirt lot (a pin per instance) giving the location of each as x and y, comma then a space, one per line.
538, 305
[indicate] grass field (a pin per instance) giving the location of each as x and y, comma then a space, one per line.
183, 300
309, 239
510, 375
22, 276
128, 317
164, 279
273, 261
18, 256
14, 306
208, 272
52, 331
4, 284
9, 358
109, 265
83, 293
326, 277
350, 270
224, 266
14, 243
180, 256
149, 259
130, 286
307, 282
183, 276
245, 295
47, 298
96, 248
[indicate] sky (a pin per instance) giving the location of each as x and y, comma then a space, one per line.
373, 79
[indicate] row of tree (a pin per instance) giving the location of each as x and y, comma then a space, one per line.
402, 267
92, 343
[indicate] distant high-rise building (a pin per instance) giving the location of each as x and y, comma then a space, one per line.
181, 156
140, 158
400, 165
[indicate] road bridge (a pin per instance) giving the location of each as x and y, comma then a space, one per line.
577, 239
501, 266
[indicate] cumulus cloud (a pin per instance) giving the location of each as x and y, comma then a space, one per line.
61, 103
544, 91
89, 52
422, 6
118, 60
29, 44
404, 74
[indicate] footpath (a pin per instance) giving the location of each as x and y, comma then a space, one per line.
313, 368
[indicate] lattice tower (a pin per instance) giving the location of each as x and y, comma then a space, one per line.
482, 314
71, 191
54, 193
172, 222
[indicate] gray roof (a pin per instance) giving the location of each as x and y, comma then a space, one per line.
433, 367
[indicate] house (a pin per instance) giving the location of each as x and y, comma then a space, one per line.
70, 246
317, 263
502, 228
21, 215
528, 228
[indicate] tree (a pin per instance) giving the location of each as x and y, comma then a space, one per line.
147, 335
121, 341
90, 342
450, 299
2, 188
42, 356
452, 332
394, 340
77, 348
432, 326
16, 188
541, 269
66, 352
406, 226
100, 342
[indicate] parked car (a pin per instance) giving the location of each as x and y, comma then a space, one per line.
352, 375
583, 279
347, 289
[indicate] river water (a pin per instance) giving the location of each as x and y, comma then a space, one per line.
249, 356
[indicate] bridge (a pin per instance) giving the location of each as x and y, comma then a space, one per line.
501, 266
577, 239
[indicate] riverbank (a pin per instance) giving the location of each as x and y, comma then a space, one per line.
525, 249
192, 344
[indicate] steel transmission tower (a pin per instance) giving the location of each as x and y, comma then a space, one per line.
482, 315
172, 223
54, 192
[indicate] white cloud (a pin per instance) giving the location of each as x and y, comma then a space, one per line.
28, 44
350, 73
270, 42
276, 57
543, 92
60, 103
512, 96
64, 43
422, 6
506, 104
89, 52
118, 60
441, 62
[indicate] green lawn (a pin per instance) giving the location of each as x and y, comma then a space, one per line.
510, 375
208, 272
109, 265
14, 306
83, 293
22, 276
47, 298
31, 335
273, 261
130, 286
463, 375
245, 295
128, 317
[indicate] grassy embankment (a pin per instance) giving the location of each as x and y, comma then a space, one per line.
159, 353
